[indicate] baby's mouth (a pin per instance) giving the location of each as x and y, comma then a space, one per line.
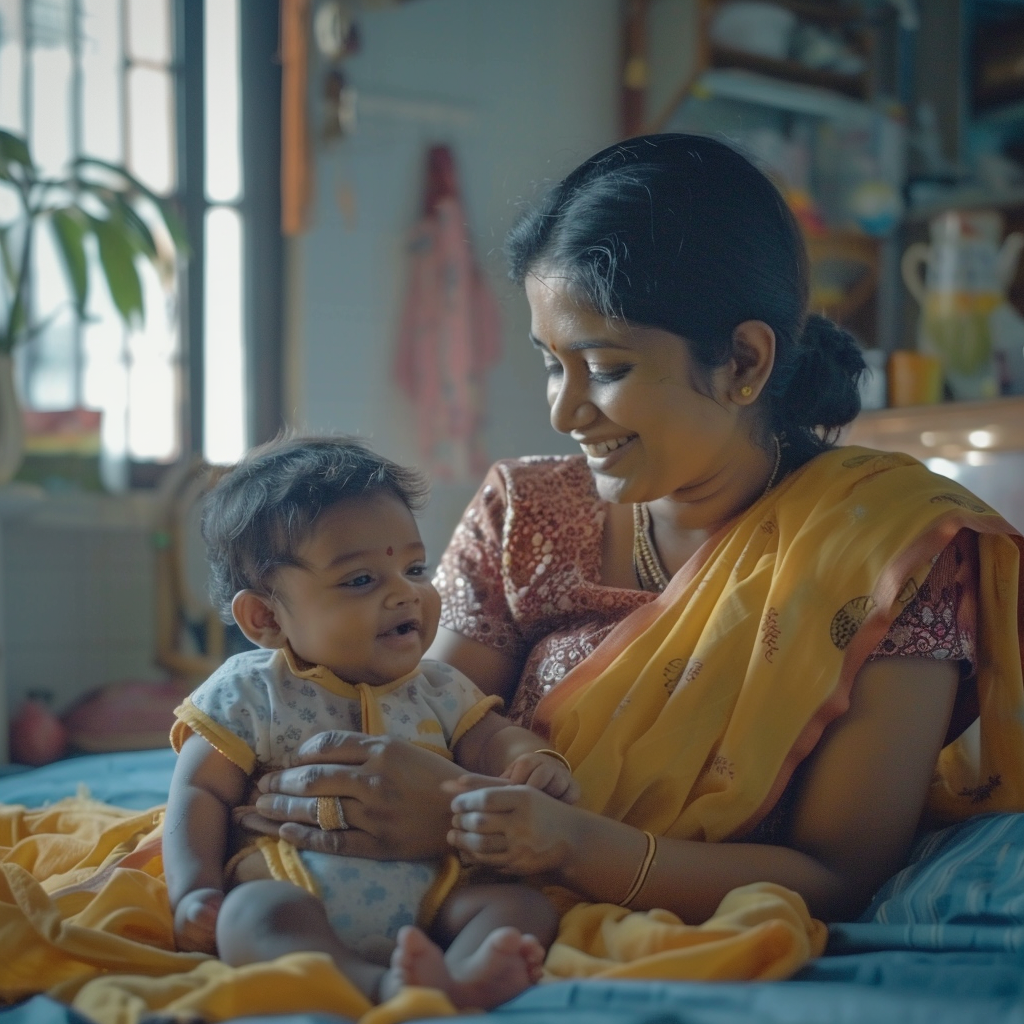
403, 628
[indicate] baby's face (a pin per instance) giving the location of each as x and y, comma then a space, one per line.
361, 603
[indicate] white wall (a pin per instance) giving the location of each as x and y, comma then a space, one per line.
525, 89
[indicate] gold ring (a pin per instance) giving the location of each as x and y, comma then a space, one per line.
330, 815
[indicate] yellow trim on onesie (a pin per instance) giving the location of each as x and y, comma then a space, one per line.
448, 875
191, 720
474, 716
285, 864
323, 676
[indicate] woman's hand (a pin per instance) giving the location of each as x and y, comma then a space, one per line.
390, 793
516, 829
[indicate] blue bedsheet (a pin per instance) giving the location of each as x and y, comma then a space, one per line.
942, 943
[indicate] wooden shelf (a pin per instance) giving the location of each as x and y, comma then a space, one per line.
792, 71
949, 430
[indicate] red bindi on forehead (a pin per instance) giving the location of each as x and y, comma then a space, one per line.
391, 551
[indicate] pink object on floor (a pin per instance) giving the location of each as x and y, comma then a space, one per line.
37, 735
130, 715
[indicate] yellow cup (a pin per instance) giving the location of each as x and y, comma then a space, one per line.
914, 379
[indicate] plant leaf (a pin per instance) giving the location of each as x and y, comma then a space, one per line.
69, 229
175, 227
117, 259
137, 232
6, 260
14, 150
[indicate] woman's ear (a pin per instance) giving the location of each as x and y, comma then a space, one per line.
753, 356
255, 616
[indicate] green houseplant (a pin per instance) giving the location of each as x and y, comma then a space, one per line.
94, 206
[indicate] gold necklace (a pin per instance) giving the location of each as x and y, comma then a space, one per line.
650, 573
647, 565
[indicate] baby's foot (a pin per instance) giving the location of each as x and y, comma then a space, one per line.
415, 961
506, 963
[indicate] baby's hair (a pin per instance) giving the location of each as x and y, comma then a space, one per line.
257, 514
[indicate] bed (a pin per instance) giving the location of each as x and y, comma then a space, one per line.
943, 940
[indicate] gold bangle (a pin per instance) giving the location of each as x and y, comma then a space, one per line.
557, 756
645, 869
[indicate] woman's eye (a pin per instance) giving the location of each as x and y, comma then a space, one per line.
607, 374
552, 368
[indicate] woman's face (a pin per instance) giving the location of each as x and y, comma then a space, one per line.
629, 396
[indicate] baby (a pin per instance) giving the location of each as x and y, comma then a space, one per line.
315, 553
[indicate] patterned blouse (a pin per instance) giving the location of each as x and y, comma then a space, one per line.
522, 575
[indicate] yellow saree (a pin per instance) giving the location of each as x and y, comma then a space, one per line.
691, 716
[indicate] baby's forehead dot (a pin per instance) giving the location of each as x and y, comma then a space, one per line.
391, 551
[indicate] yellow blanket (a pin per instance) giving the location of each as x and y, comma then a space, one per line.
84, 917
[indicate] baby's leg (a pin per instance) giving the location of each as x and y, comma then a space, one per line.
496, 936
262, 920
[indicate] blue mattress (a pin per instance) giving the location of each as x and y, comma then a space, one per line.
942, 942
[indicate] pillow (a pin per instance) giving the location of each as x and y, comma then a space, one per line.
963, 889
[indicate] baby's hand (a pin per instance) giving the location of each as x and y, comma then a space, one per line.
195, 921
544, 772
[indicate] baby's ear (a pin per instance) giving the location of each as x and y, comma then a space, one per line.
255, 616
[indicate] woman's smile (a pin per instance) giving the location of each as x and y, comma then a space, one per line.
598, 450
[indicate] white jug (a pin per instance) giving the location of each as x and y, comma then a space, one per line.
967, 271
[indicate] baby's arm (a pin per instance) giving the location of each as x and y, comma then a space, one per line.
496, 747
204, 788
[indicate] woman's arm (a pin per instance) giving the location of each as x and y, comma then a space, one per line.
490, 669
857, 812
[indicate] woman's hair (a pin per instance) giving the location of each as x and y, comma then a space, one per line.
257, 514
683, 233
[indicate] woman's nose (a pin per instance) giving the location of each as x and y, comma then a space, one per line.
571, 407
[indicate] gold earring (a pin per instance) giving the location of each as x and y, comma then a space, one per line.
746, 391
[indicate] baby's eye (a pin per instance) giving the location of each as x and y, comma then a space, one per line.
417, 571
362, 580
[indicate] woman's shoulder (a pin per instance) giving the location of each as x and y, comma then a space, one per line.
889, 478
562, 479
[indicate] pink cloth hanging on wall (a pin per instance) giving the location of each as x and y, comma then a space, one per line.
450, 332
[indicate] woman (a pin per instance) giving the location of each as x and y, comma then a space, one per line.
750, 645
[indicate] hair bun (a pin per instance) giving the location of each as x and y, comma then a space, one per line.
824, 388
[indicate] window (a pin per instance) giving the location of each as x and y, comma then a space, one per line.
156, 85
